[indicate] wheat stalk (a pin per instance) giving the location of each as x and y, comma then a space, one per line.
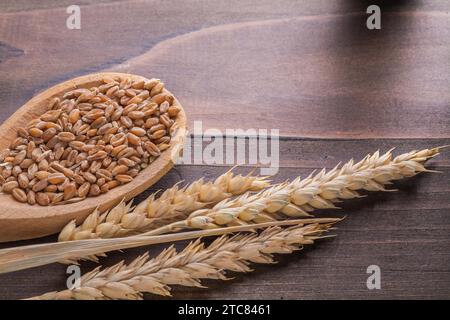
302, 196
30, 256
174, 204
190, 266
290, 199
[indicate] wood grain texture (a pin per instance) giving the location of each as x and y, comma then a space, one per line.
310, 68
316, 73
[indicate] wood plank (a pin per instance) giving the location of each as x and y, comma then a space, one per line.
406, 233
311, 69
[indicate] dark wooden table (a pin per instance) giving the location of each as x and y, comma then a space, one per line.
335, 89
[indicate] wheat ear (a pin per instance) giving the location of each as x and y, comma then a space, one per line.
302, 196
188, 267
174, 204
30, 256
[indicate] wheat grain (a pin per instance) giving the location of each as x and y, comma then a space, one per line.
190, 266
174, 203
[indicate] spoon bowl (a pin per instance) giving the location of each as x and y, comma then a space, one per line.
19, 221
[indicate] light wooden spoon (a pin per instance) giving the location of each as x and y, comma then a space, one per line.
22, 221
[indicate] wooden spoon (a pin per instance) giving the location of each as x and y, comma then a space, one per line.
20, 221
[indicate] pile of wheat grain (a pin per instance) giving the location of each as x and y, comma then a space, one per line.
89, 142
